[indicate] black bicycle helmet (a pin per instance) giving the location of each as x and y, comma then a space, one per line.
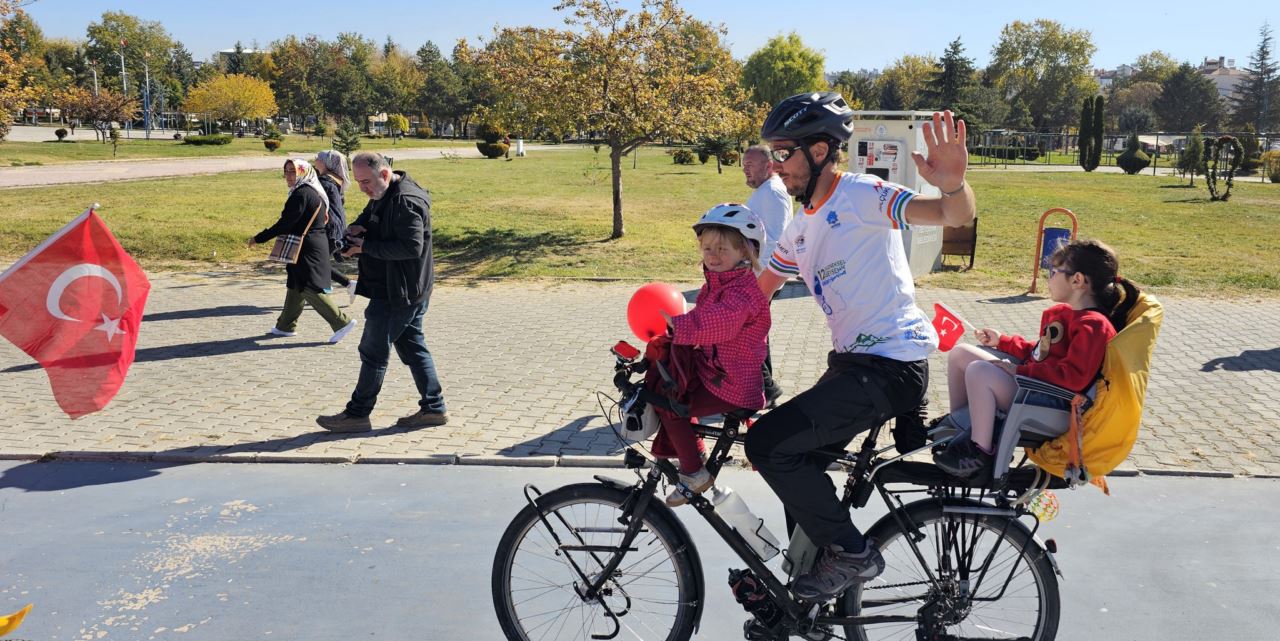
807, 118
810, 115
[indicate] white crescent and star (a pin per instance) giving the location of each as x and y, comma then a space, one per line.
111, 326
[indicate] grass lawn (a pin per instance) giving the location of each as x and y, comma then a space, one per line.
549, 215
138, 147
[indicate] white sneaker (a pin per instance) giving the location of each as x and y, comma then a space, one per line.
351, 293
698, 482
278, 332
342, 333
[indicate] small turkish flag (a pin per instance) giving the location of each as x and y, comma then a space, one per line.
75, 305
949, 325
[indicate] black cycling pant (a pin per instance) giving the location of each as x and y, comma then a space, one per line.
857, 393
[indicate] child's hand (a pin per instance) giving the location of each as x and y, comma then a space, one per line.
988, 337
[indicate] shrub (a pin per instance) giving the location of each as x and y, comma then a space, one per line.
211, 139
682, 156
1030, 153
272, 132
1133, 160
730, 157
271, 144
422, 132
177, 135
60, 133
320, 129
490, 133
1252, 159
492, 149
1271, 165
703, 156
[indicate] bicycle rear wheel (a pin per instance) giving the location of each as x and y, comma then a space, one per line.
539, 595
1016, 597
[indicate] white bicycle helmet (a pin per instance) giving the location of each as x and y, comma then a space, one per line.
736, 216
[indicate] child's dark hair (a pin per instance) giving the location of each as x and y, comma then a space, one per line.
1115, 295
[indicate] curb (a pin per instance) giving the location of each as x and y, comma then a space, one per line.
201, 455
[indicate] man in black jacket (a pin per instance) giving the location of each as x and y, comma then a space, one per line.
392, 238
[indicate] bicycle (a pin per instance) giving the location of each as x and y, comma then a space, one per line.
609, 559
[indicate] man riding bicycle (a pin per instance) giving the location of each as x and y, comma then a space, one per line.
847, 247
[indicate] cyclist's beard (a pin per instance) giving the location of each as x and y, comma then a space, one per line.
796, 179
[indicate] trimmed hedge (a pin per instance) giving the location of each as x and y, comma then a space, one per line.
493, 149
211, 139
1133, 160
1004, 152
681, 156
271, 144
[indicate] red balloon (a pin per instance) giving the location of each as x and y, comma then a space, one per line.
644, 311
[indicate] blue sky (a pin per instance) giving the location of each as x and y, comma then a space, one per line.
851, 37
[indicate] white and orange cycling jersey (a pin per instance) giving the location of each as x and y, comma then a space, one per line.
848, 249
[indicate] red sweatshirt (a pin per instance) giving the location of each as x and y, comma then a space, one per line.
729, 327
1070, 350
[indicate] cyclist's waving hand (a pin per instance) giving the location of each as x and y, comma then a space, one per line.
944, 168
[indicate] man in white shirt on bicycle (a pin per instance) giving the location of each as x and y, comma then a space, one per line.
846, 245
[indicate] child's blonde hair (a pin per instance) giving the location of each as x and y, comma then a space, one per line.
734, 238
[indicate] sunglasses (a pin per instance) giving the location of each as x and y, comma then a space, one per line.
781, 155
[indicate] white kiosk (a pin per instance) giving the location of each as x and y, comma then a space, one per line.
882, 143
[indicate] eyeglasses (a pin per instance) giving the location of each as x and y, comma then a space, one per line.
1059, 270
781, 155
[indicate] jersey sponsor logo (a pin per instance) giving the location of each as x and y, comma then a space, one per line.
829, 305
865, 341
916, 333
833, 219
800, 247
831, 272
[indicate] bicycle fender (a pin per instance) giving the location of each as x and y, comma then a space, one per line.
667, 513
1053, 561
968, 507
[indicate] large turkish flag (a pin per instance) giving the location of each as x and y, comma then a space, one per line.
75, 305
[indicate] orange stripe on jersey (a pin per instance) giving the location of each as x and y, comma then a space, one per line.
812, 209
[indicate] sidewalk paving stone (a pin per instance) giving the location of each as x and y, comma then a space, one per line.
521, 364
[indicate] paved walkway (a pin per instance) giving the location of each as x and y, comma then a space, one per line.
521, 363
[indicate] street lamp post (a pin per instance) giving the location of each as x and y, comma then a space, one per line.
124, 86
146, 94
93, 66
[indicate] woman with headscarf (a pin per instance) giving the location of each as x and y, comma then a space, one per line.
305, 213
331, 166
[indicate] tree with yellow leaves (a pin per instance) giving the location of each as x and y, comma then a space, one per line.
13, 94
232, 97
626, 78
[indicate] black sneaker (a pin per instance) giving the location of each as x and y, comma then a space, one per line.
962, 458
837, 571
344, 422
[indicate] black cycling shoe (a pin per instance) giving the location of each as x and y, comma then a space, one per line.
962, 458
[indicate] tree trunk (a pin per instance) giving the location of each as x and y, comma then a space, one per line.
719, 170
615, 162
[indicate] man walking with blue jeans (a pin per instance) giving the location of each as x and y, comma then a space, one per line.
392, 238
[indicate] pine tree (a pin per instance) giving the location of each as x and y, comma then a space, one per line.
1259, 100
1085, 137
1096, 147
346, 138
955, 72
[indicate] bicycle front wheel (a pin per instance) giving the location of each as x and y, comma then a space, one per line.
549, 555
993, 581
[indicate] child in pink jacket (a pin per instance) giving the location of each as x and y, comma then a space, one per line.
723, 337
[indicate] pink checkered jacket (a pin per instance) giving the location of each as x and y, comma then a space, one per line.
728, 328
